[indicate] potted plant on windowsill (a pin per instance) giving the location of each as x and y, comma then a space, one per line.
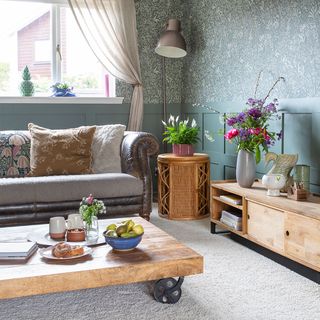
62, 90
181, 135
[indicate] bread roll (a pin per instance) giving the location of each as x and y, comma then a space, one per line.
65, 250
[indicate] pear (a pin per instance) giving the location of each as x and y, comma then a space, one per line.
112, 233
121, 229
112, 226
130, 224
138, 229
132, 234
126, 235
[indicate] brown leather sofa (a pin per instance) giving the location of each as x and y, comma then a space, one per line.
34, 200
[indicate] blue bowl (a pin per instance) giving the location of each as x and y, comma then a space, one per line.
123, 244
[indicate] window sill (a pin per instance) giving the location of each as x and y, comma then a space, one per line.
62, 100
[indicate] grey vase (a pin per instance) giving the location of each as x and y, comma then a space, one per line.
246, 169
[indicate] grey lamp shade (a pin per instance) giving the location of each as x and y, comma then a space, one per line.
171, 43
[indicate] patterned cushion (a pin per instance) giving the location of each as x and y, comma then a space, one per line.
14, 154
56, 152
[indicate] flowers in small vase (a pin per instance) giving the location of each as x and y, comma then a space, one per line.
250, 127
90, 208
180, 132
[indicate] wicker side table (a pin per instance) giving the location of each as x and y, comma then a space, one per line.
183, 186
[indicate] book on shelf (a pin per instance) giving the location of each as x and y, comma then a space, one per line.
17, 250
232, 215
232, 219
232, 198
233, 224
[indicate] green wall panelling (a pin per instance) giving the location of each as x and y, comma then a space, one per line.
297, 136
21, 120
301, 134
222, 153
198, 118
229, 172
315, 141
216, 172
17, 117
211, 123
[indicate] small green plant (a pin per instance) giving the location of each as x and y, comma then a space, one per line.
180, 132
62, 89
61, 85
26, 86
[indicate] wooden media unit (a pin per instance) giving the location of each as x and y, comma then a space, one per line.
285, 230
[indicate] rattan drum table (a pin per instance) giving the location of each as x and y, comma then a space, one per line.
183, 186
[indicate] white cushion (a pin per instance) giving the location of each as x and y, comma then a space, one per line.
106, 148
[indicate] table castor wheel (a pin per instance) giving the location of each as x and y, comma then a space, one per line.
168, 290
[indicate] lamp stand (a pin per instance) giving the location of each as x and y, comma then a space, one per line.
164, 106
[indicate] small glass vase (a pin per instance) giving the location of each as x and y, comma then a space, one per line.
92, 231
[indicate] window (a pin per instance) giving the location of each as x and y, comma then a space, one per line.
46, 38
42, 51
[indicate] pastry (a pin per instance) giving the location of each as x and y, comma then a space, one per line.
65, 250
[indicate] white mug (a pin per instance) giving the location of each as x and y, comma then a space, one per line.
75, 221
57, 227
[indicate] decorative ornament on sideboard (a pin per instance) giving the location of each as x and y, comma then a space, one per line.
274, 183
302, 175
250, 131
246, 168
282, 164
181, 135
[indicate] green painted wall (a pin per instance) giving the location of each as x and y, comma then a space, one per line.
17, 116
230, 42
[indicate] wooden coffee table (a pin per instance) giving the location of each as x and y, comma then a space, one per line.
158, 257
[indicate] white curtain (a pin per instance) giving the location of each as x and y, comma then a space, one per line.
109, 26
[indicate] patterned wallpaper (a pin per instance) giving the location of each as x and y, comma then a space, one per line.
232, 40
229, 42
151, 17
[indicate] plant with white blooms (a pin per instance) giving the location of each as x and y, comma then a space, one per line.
181, 132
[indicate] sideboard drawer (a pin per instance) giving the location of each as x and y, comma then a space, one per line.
302, 238
266, 225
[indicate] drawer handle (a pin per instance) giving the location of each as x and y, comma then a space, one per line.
287, 233
248, 216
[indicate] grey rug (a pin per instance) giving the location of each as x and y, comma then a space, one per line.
237, 284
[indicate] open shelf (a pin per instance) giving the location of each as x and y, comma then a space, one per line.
229, 203
224, 226
219, 204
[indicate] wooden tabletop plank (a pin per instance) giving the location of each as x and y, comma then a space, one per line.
157, 256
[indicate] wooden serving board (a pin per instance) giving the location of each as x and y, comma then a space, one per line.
158, 256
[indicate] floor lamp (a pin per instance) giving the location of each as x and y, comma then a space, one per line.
171, 45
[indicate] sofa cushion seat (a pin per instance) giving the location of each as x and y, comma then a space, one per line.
68, 187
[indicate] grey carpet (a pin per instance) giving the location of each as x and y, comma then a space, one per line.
237, 284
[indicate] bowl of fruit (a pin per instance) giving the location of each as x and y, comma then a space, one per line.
123, 236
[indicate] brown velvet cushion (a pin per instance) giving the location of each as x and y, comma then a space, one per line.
57, 152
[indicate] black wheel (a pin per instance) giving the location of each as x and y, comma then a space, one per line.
168, 290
